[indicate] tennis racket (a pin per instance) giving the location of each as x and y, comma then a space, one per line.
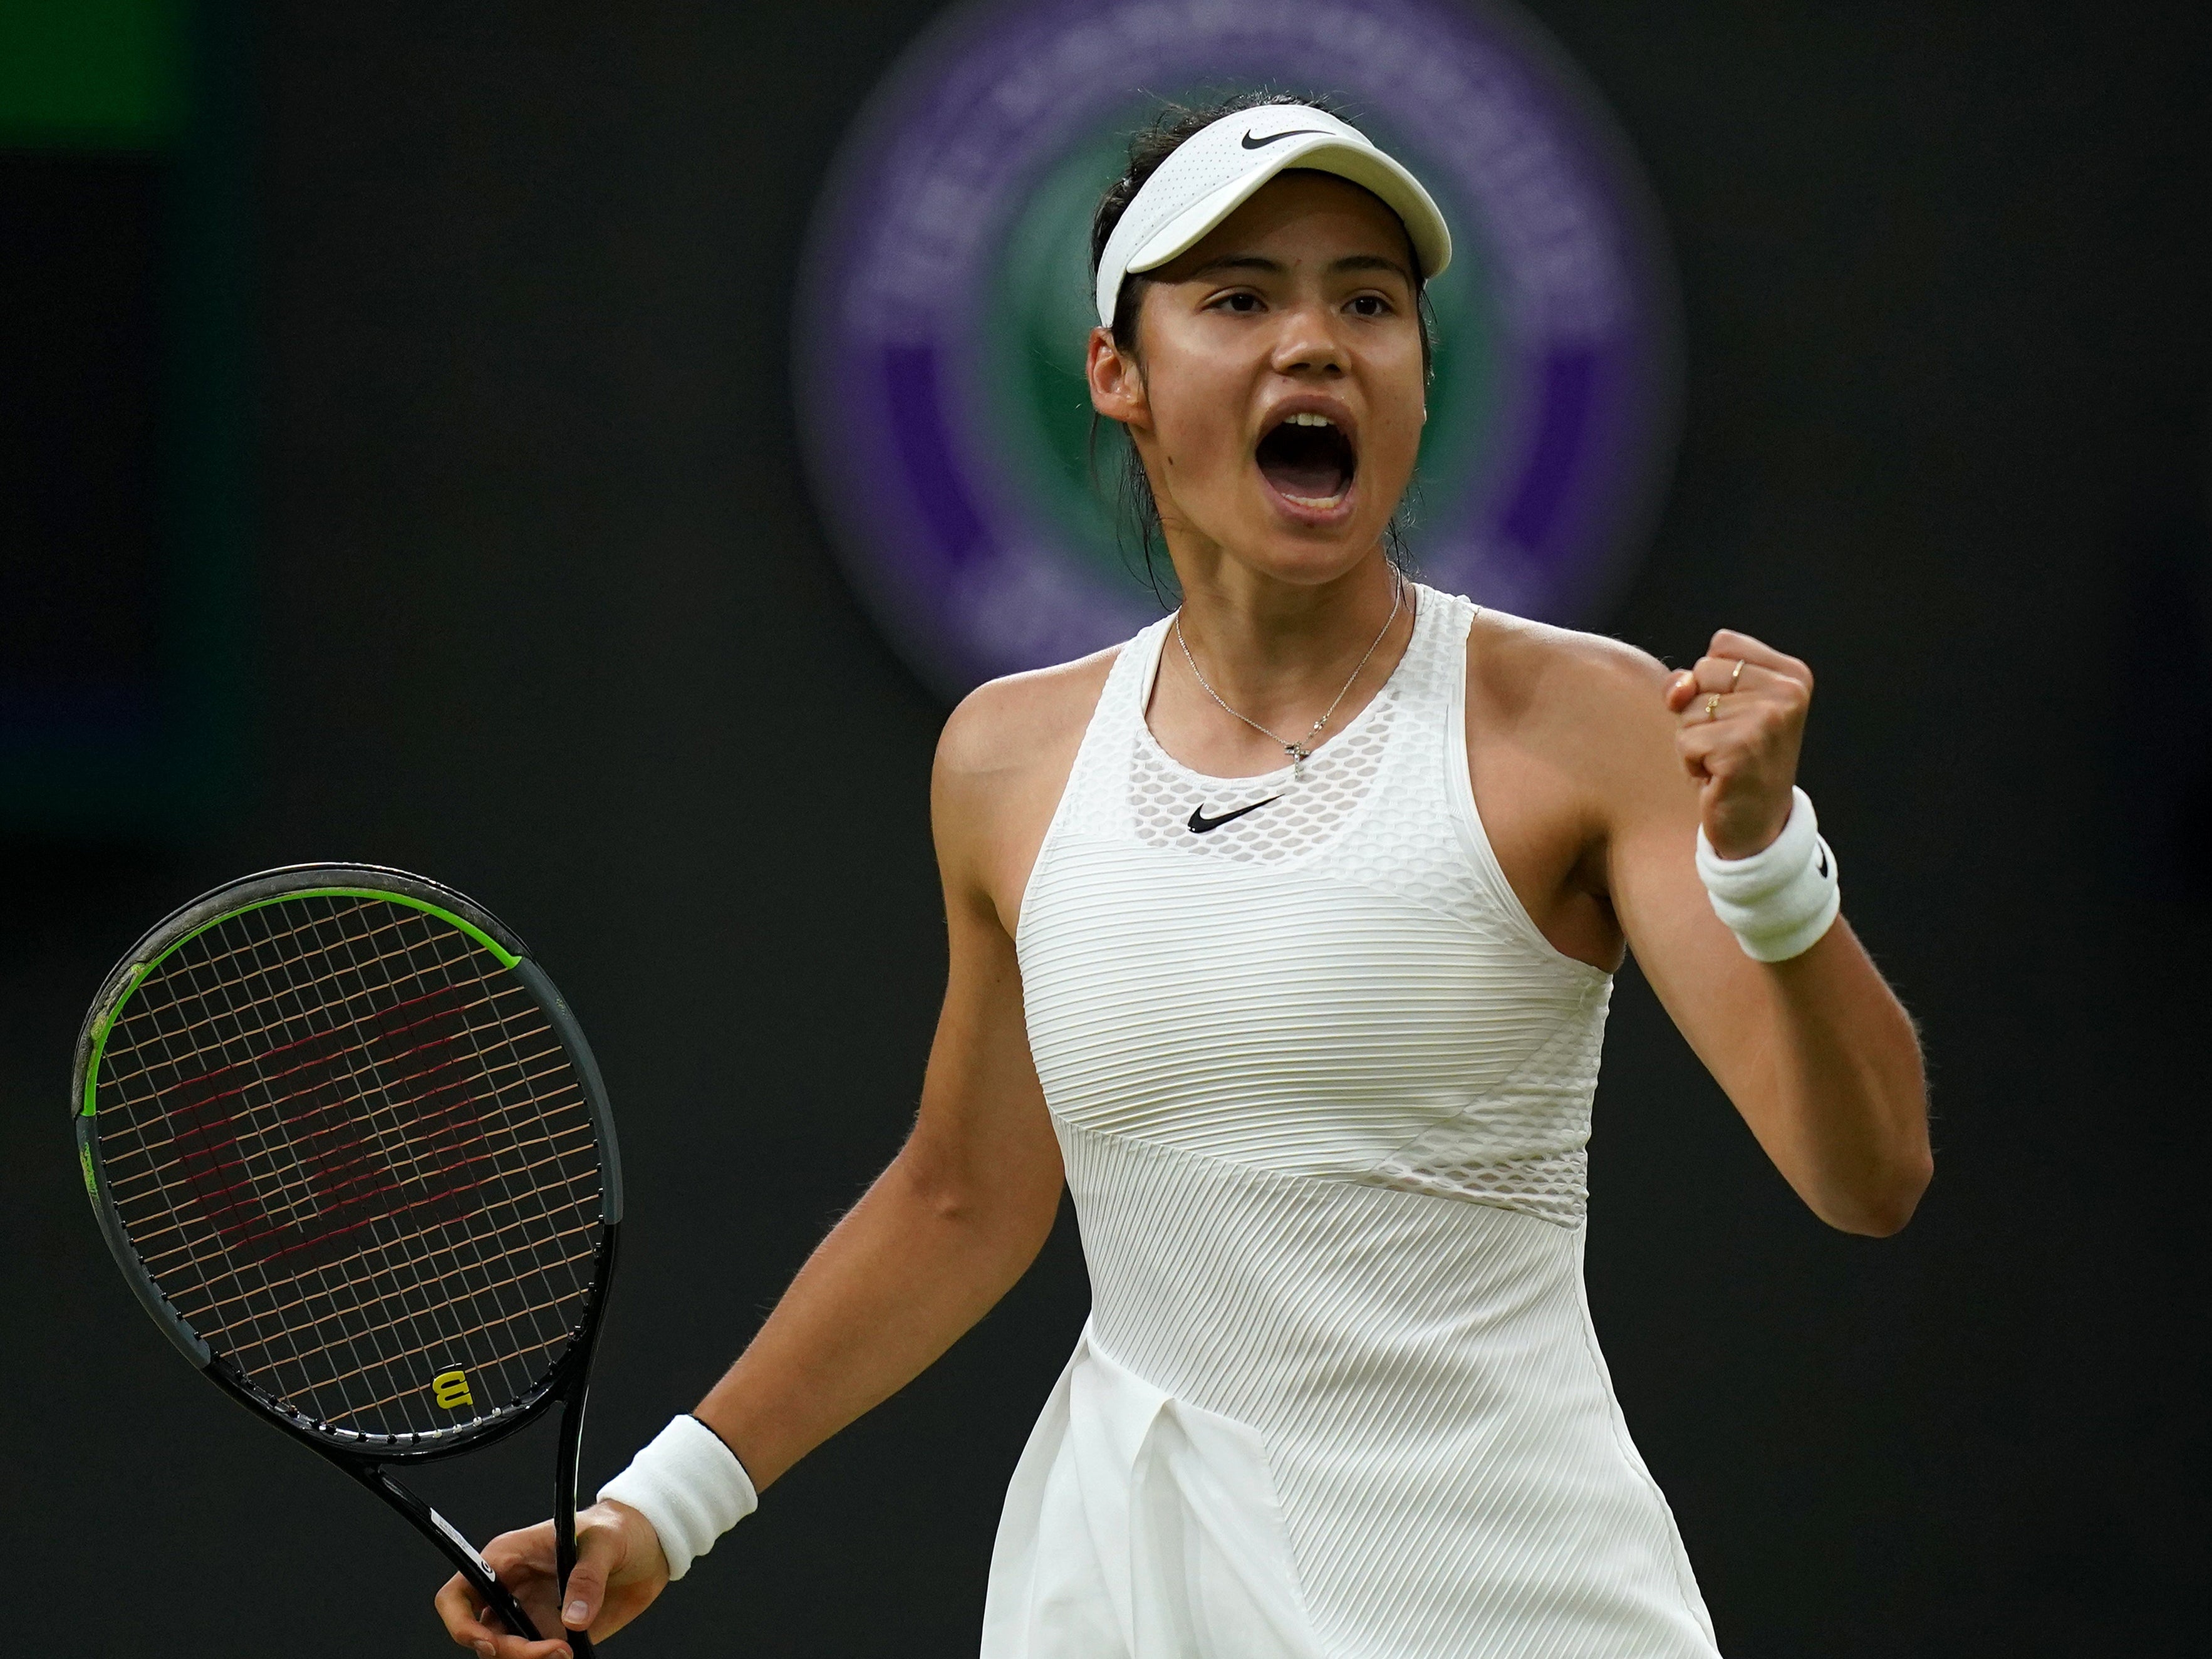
348, 1147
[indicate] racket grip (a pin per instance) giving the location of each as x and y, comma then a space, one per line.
454, 1546
564, 1507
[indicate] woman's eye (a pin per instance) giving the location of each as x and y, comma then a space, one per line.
1244, 304
1371, 305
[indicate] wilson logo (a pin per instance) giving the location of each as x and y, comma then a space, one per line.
452, 1389
286, 1169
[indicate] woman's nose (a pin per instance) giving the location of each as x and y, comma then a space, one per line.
1308, 344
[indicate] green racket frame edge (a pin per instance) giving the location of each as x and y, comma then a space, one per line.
364, 1457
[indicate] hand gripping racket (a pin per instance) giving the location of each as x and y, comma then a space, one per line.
348, 1145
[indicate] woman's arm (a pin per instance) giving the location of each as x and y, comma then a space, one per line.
1815, 1051
942, 1233
940, 1236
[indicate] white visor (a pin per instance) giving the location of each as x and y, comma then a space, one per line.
1216, 170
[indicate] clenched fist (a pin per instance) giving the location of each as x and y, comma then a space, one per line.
1740, 714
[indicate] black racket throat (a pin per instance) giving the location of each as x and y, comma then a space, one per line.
568, 1387
349, 1147
571, 1393
454, 1544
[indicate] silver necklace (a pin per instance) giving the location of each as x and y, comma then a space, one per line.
1298, 751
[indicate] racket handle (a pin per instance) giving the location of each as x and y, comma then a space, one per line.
456, 1549
564, 1505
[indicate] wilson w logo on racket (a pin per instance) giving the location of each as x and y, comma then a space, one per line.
342, 1134
422, 1155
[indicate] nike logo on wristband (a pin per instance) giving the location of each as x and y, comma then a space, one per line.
1824, 864
1250, 142
1199, 823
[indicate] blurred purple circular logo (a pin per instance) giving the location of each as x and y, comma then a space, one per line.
945, 304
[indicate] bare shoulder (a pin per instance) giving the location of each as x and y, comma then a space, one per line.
1022, 720
1002, 762
1552, 682
1579, 720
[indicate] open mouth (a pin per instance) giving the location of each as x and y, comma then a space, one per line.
1307, 460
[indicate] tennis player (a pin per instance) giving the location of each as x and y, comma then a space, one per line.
1282, 935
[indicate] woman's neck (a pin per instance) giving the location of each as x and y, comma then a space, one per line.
1276, 652
1262, 635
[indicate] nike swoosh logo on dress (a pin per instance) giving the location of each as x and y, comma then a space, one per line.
1250, 142
1199, 823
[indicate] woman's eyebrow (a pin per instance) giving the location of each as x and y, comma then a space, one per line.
1371, 262
1260, 262
1242, 262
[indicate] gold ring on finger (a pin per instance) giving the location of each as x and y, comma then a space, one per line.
1713, 705
1738, 675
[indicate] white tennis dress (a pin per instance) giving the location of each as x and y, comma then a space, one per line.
1323, 1092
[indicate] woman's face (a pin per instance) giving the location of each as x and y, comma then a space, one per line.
1276, 394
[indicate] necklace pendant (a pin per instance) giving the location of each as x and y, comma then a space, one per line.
1298, 752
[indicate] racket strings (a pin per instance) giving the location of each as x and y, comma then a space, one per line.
278, 1328
188, 1244
297, 1314
541, 1071
350, 1150
376, 1334
221, 1199
373, 1337
275, 1008
284, 1098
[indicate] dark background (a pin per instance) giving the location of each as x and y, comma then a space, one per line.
540, 607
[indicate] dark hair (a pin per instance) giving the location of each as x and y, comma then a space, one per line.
1149, 146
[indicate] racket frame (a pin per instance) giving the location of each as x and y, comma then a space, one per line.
367, 1457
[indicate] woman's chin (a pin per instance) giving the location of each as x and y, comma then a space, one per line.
1303, 553
1303, 542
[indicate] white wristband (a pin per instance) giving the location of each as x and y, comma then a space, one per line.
690, 1485
1779, 901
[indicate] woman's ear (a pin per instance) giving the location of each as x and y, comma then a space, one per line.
1117, 383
